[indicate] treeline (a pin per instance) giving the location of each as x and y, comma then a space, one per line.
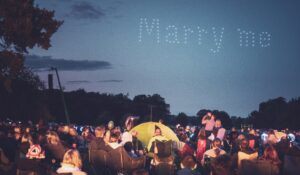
277, 113
26, 100
95, 108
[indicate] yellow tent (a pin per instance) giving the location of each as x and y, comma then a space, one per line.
146, 131
279, 135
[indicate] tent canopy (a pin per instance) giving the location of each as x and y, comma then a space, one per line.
146, 132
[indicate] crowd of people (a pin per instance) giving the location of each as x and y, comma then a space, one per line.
50, 148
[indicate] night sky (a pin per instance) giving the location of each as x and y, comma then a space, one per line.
198, 54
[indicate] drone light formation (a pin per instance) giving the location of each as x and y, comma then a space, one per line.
247, 38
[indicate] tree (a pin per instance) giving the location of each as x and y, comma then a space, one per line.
277, 113
22, 26
182, 119
224, 117
147, 105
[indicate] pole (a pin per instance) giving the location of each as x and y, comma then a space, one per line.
151, 106
62, 96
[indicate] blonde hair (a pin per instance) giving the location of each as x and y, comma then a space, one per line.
53, 138
65, 129
72, 157
73, 132
26, 138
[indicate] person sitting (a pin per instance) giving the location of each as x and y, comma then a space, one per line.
35, 150
127, 136
137, 144
87, 135
187, 148
98, 143
114, 141
253, 140
157, 136
26, 142
270, 155
221, 165
71, 163
272, 139
268, 164
245, 152
110, 127
63, 134
54, 149
76, 140
129, 149
233, 140
214, 152
30, 160
188, 166
219, 131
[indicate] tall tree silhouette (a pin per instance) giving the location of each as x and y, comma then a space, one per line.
22, 26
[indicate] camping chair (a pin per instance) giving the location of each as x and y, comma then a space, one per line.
120, 161
163, 148
163, 160
5, 164
98, 161
258, 167
163, 168
28, 167
291, 165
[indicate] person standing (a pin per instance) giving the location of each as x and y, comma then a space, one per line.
219, 131
209, 121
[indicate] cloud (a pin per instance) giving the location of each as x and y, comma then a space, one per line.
78, 81
100, 81
110, 81
85, 10
45, 62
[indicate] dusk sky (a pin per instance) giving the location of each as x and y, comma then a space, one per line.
198, 54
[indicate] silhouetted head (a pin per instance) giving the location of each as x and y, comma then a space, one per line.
218, 124
100, 131
188, 162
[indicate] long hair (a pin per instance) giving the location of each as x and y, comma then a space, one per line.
72, 157
73, 132
270, 154
26, 138
201, 134
244, 144
52, 138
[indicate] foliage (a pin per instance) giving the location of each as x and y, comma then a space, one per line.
277, 113
90, 107
22, 26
